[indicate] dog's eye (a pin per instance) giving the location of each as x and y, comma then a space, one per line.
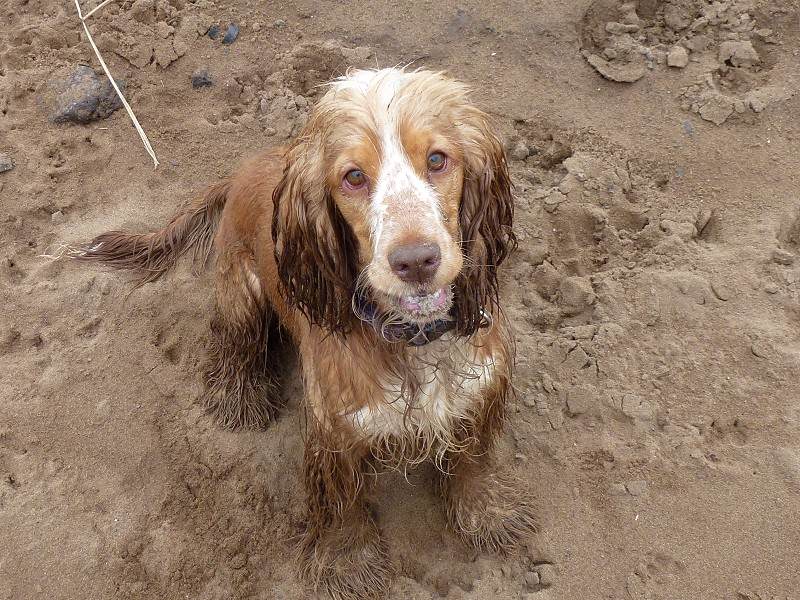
436, 161
355, 178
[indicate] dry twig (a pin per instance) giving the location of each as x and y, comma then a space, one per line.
127, 106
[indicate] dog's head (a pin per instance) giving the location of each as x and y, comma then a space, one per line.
397, 190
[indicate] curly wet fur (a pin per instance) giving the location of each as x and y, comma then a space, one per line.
239, 390
347, 563
341, 552
151, 255
491, 512
287, 253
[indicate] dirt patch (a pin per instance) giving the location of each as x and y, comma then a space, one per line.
654, 296
729, 44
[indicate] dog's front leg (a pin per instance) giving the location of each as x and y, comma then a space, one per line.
486, 505
342, 552
239, 387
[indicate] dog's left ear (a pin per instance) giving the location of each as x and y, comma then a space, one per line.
314, 248
485, 218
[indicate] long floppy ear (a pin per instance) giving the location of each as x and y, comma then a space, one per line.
485, 218
314, 246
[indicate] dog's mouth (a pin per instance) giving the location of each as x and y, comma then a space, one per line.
414, 318
423, 308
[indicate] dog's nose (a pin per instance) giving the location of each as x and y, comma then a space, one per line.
415, 263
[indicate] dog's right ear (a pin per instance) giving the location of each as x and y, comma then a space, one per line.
314, 246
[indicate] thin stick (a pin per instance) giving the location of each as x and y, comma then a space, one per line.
96, 8
127, 106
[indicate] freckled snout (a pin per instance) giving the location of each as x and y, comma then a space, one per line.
415, 263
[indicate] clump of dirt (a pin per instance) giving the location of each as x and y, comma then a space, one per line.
721, 45
290, 92
147, 32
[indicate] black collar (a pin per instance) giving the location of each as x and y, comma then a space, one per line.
411, 333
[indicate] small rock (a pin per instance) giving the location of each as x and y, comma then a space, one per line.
279, 23
553, 200
637, 488
620, 28
505, 570
213, 32
579, 399
738, 53
84, 97
529, 400
637, 408
684, 230
717, 109
201, 78
520, 151
57, 218
756, 103
576, 295
721, 291
256, 27
231, 34
547, 574
569, 184
531, 579
617, 489
702, 220
698, 43
624, 73
675, 18
576, 359
678, 57
761, 349
771, 288
6, 164
580, 332
782, 257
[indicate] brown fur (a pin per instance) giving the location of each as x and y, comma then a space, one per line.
291, 247
239, 391
150, 255
314, 250
342, 552
487, 507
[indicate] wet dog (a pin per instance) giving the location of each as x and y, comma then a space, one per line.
374, 240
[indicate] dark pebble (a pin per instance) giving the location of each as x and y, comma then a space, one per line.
231, 34
213, 32
83, 97
201, 78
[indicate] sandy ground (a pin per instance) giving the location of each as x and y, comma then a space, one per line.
655, 298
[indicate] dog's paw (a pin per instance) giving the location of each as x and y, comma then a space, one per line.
349, 563
240, 403
492, 514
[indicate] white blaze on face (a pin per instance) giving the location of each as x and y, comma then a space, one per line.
401, 201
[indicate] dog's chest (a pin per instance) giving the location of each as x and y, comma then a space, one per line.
450, 377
